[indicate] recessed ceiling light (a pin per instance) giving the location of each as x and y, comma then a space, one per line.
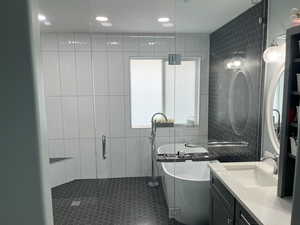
168, 25
106, 24
163, 20
101, 18
41, 17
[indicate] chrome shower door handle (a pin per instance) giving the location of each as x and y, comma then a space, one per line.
103, 146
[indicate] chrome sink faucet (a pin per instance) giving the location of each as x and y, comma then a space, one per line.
275, 158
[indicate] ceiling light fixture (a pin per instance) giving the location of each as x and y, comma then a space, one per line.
102, 18
163, 20
41, 17
168, 25
106, 24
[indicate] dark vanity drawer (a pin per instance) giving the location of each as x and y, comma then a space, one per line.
227, 197
242, 217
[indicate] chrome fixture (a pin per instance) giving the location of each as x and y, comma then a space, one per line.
277, 125
174, 59
153, 182
275, 158
103, 146
217, 144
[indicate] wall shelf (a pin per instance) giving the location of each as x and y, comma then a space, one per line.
297, 60
59, 159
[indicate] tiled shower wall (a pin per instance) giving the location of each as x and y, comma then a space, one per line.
86, 80
243, 34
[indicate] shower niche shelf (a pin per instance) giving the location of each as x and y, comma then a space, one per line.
58, 159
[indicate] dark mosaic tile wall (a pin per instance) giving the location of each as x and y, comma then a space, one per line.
243, 34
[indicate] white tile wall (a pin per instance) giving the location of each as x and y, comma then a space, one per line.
50, 68
70, 117
54, 117
67, 73
87, 84
118, 157
87, 158
100, 72
84, 73
86, 116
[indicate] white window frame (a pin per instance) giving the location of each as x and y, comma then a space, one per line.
197, 86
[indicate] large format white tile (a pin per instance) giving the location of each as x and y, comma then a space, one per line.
114, 43
165, 44
130, 43
49, 42
67, 73
71, 148
117, 116
54, 117
134, 164
196, 43
72, 171
57, 174
116, 73
103, 165
145, 156
88, 159
86, 117
50, 70
56, 148
70, 117
82, 42
84, 73
129, 131
65, 41
99, 42
179, 42
126, 59
100, 72
102, 116
147, 44
118, 159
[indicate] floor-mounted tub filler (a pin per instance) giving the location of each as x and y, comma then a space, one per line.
186, 186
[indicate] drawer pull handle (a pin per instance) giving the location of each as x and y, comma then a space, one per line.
229, 220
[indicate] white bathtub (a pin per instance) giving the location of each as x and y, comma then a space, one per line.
186, 187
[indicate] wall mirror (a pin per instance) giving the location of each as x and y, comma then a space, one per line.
239, 102
274, 107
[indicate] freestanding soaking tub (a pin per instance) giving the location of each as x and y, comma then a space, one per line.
186, 187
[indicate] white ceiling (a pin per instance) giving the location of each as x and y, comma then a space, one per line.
140, 16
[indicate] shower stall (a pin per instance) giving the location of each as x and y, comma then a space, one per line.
104, 77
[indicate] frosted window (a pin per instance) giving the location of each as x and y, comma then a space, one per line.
146, 90
159, 87
180, 92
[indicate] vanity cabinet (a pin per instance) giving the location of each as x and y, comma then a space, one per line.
242, 217
224, 208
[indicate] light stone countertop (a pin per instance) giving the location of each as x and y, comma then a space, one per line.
261, 202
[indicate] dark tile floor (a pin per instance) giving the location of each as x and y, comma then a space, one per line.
121, 201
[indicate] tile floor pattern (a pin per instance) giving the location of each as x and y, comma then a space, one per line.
119, 201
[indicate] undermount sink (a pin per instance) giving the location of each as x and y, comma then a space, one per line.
252, 176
